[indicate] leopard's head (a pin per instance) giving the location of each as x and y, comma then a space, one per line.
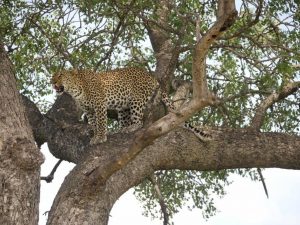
68, 81
57, 82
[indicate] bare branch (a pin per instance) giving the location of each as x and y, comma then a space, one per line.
117, 33
259, 116
50, 177
262, 179
54, 43
198, 31
181, 95
162, 203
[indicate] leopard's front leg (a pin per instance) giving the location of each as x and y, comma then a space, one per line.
100, 125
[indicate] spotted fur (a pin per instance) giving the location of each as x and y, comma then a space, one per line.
202, 135
125, 90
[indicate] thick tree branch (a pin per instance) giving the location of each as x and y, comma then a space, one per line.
259, 116
36, 121
225, 17
166, 52
15, 132
177, 150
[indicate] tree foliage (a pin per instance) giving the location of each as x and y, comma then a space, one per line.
259, 55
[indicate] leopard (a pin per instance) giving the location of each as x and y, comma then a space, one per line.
125, 90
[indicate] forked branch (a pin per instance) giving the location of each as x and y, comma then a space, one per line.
225, 18
50, 177
162, 203
201, 99
259, 116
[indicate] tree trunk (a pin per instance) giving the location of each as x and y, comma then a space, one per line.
101, 176
19, 156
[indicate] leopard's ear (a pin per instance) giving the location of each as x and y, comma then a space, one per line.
57, 70
62, 66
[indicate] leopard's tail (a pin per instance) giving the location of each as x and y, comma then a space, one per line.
199, 132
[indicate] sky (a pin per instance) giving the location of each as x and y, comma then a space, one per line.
244, 204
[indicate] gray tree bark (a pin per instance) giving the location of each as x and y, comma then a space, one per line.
104, 172
19, 156
84, 198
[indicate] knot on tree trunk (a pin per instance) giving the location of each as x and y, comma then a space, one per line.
24, 155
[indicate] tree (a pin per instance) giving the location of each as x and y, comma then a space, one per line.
243, 66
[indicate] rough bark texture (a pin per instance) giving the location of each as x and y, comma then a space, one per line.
81, 198
84, 198
259, 116
104, 172
166, 52
19, 156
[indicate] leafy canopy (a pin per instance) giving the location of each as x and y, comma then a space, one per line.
257, 56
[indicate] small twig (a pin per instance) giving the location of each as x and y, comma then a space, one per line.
56, 44
117, 33
262, 179
50, 177
45, 213
162, 203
